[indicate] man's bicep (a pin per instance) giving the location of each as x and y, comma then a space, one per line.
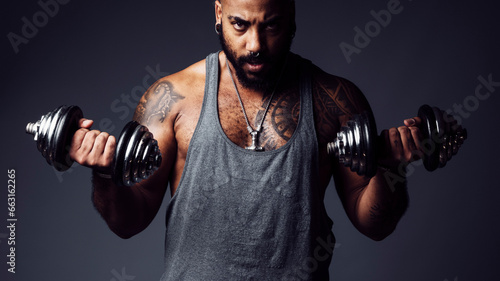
157, 110
337, 100
343, 99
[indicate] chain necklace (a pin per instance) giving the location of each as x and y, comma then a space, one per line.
255, 133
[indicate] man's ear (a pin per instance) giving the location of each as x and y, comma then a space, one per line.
218, 11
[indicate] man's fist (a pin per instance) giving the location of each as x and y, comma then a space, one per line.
402, 144
93, 148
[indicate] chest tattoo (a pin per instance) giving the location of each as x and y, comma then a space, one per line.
281, 121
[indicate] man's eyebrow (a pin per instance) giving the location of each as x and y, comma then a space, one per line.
272, 19
238, 19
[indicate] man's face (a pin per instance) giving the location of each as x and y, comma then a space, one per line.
259, 26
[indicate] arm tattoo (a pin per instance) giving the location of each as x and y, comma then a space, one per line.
335, 99
326, 113
158, 101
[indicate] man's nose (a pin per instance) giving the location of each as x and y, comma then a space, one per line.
254, 41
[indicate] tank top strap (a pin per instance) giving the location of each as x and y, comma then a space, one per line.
306, 98
212, 81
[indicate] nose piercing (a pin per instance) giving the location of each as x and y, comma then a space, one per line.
254, 54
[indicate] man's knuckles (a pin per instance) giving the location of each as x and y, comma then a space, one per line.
93, 148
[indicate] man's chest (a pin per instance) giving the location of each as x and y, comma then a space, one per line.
279, 118
274, 118
280, 122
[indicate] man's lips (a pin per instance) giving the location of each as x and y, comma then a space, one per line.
255, 66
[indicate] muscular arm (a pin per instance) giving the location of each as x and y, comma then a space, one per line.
129, 210
374, 205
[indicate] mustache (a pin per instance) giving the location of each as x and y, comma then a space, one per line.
262, 58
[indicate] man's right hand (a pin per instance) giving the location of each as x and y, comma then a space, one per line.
93, 148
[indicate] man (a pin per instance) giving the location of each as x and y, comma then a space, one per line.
243, 136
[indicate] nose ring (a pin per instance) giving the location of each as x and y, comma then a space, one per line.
254, 54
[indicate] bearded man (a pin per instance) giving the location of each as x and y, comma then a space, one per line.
243, 134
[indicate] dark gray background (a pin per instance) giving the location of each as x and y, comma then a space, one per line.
92, 52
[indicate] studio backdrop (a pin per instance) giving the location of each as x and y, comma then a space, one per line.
103, 55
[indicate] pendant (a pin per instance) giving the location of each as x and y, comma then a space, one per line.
255, 142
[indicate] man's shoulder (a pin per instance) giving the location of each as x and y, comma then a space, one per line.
338, 91
336, 100
170, 94
188, 80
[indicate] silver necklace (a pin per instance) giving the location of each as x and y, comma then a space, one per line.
255, 133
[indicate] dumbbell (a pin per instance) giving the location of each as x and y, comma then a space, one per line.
137, 155
356, 143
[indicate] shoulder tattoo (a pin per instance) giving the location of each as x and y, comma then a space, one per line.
337, 98
157, 102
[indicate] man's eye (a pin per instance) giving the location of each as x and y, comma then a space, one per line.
272, 26
239, 25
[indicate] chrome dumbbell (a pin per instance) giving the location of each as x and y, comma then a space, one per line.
356, 143
137, 153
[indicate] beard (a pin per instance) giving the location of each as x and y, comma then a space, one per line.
260, 81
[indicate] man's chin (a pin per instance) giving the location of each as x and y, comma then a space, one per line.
258, 77
255, 82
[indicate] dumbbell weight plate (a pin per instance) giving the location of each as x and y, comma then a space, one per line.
133, 144
151, 159
45, 132
139, 151
144, 159
362, 140
370, 147
62, 137
429, 130
356, 144
349, 145
441, 137
121, 149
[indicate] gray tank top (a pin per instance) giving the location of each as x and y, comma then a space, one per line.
246, 215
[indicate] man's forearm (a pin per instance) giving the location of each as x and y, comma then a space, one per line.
382, 203
123, 208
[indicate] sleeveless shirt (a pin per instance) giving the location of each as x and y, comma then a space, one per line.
247, 215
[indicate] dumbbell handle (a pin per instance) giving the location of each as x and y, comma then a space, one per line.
137, 154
